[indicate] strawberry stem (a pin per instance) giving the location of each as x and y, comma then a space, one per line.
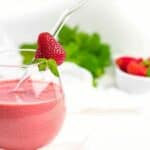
43, 64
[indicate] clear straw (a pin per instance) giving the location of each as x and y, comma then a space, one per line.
58, 26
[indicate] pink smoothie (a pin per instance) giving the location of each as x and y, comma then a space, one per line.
30, 117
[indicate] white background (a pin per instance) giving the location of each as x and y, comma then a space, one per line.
117, 121
122, 23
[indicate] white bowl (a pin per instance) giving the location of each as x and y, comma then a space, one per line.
131, 83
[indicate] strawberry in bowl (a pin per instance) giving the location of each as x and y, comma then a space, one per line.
132, 74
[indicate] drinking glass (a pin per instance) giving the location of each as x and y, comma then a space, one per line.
32, 115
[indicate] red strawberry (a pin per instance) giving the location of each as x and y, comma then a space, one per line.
38, 54
136, 69
48, 48
123, 62
139, 60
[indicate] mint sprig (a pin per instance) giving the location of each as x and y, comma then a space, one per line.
44, 64
84, 49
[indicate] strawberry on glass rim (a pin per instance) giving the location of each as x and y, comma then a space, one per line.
49, 48
49, 53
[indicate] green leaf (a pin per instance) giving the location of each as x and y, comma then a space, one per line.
53, 67
42, 63
42, 66
82, 48
28, 46
146, 63
71, 50
148, 72
39, 60
27, 56
67, 34
94, 82
104, 55
86, 50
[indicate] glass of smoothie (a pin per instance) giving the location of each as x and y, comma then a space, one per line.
32, 115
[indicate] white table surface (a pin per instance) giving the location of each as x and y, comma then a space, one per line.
104, 118
115, 131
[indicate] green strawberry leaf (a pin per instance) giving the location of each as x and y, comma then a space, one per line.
146, 63
42, 63
148, 72
53, 67
42, 66
39, 60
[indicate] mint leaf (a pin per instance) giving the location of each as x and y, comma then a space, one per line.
28, 46
66, 35
82, 48
86, 50
27, 56
53, 67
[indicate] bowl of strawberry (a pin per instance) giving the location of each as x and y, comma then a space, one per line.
133, 74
